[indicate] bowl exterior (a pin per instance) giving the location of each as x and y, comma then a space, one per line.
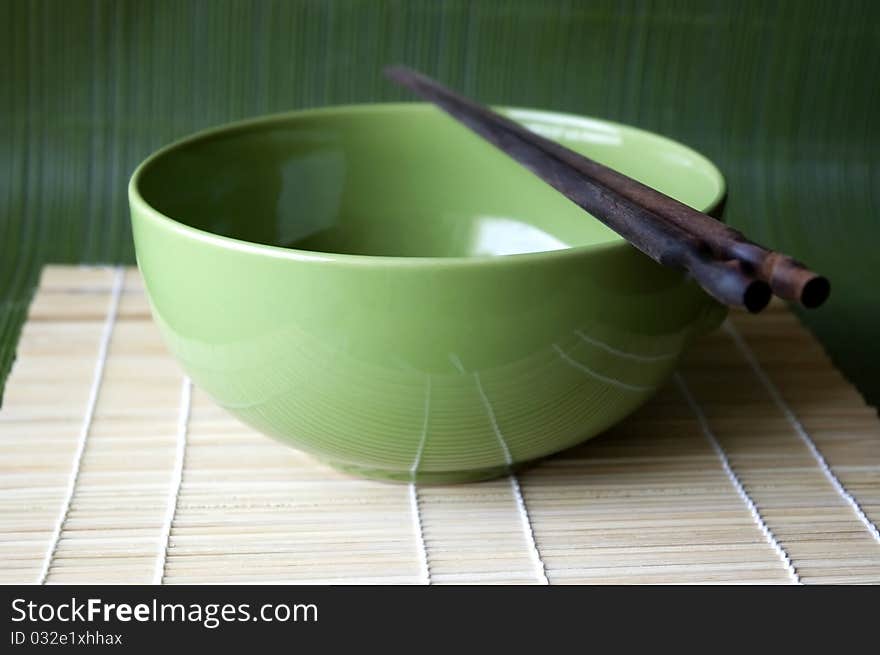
427, 370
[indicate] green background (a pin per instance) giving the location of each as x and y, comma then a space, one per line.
784, 96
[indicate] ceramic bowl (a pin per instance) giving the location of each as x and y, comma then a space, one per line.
378, 287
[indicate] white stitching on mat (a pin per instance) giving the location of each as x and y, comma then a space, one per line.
735, 481
414, 492
97, 377
528, 532
176, 479
525, 521
749, 356
420, 534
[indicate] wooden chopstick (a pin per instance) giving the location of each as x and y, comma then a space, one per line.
729, 267
788, 278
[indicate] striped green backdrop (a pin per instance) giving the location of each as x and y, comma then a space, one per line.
785, 96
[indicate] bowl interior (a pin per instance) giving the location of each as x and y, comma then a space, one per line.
401, 180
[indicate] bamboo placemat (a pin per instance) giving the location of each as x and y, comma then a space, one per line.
758, 463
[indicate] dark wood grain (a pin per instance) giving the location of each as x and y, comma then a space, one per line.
728, 266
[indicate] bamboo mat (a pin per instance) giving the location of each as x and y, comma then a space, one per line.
757, 463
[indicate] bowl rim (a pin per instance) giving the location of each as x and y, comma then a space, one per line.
142, 207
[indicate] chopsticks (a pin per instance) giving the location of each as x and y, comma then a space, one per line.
731, 268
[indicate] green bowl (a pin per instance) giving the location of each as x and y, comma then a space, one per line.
377, 286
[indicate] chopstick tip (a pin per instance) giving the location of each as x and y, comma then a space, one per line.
399, 73
815, 292
757, 296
